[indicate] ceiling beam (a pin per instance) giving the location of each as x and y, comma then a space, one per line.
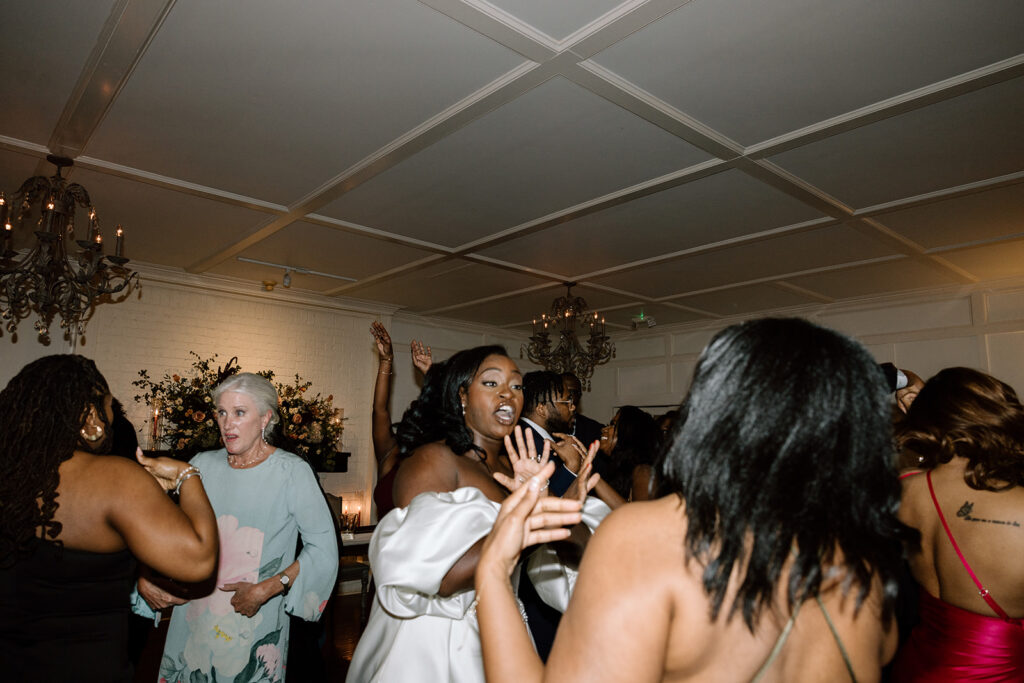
122, 42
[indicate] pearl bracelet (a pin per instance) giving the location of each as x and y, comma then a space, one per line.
185, 475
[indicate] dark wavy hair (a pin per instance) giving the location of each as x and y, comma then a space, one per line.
43, 409
637, 442
966, 413
540, 387
784, 452
436, 415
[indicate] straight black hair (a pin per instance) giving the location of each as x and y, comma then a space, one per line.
784, 452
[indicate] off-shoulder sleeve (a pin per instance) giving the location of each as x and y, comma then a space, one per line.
413, 548
553, 580
318, 560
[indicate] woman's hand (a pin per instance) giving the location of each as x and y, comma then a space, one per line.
571, 450
526, 518
248, 597
584, 483
165, 470
156, 596
421, 356
383, 339
523, 456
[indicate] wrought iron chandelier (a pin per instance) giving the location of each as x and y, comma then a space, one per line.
49, 280
568, 313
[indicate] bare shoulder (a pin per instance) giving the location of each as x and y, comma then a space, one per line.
640, 537
111, 473
914, 494
643, 519
431, 467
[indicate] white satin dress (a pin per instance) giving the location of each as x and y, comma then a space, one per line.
413, 633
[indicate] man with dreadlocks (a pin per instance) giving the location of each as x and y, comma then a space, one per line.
72, 522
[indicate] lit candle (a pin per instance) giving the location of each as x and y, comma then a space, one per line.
8, 233
48, 217
93, 225
99, 240
119, 243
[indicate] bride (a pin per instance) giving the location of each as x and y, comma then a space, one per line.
452, 480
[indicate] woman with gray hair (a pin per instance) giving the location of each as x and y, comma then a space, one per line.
264, 499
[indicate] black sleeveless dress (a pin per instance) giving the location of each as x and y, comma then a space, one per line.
64, 616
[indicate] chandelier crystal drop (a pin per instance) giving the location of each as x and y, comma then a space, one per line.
568, 314
51, 280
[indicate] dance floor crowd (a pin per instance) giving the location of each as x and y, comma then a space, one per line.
805, 514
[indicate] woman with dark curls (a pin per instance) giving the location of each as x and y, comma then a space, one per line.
773, 552
422, 626
72, 520
966, 432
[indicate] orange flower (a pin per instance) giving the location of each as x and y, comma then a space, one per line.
199, 416
296, 418
176, 378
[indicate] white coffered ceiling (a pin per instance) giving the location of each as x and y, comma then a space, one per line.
461, 159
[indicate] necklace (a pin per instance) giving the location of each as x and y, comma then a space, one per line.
259, 457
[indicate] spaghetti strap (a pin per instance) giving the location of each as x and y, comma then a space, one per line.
982, 591
785, 636
839, 642
778, 646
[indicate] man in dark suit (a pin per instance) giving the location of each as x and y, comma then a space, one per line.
546, 412
582, 427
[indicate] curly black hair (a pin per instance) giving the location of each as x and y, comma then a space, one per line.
962, 412
436, 415
43, 409
785, 453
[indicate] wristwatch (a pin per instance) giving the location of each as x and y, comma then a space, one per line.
286, 582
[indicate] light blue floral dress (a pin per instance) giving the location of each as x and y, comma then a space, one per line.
260, 513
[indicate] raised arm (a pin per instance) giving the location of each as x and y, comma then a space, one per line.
610, 605
526, 518
384, 444
422, 357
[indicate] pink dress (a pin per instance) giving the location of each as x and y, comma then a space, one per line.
954, 644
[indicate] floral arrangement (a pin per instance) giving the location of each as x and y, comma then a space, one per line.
309, 427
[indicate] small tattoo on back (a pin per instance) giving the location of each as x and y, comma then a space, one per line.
964, 513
